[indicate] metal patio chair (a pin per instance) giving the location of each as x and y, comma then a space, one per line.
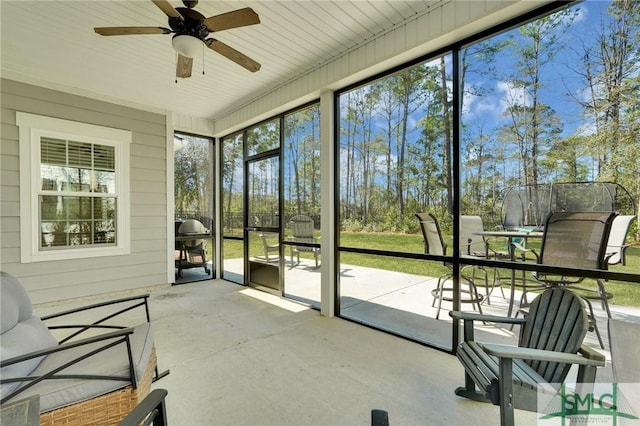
576, 240
434, 244
616, 248
474, 245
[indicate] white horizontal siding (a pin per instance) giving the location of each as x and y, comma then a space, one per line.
146, 265
443, 24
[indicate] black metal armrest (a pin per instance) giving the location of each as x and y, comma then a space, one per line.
536, 255
69, 345
496, 253
151, 411
110, 340
483, 247
143, 298
131, 303
623, 254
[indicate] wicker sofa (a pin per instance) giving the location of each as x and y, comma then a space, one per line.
96, 374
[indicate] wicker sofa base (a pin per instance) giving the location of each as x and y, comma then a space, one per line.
108, 409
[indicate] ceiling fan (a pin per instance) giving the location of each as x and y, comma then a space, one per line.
191, 30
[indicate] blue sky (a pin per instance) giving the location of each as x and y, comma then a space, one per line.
558, 78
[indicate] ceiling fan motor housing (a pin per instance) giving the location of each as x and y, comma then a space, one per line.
192, 24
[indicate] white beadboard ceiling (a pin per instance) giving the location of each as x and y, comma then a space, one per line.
52, 43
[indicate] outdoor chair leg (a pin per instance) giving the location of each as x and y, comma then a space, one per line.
440, 295
506, 392
437, 293
473, 294
592, 321
604, 297
469, 390
496, 277
472, 291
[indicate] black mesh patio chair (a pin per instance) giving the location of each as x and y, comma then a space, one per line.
473, 244
576, 240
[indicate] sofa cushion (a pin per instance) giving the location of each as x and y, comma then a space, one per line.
15, 302
26, 333
114, 361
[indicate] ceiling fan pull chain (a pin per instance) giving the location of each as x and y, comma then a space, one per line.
202, 58
176, 56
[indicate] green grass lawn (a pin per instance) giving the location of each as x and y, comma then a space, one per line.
624, 293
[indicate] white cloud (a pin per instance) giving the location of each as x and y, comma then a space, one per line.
513, 95
582, 14
411, 122
587, 129
474, 105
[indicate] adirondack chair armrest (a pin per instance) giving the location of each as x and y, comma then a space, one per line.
470, 317
590, 353
516, 352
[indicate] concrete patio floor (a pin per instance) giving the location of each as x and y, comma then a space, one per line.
239, 356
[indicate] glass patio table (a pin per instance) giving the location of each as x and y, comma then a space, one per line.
512, 237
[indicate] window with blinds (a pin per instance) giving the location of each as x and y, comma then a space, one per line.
75, 192
77, 199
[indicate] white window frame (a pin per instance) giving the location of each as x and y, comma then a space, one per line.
32, 128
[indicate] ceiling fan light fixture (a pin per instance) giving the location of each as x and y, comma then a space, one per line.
187, 45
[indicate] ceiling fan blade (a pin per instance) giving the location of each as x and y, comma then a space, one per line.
183, 69
166, 7
237, 18
111, 31
231, 53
